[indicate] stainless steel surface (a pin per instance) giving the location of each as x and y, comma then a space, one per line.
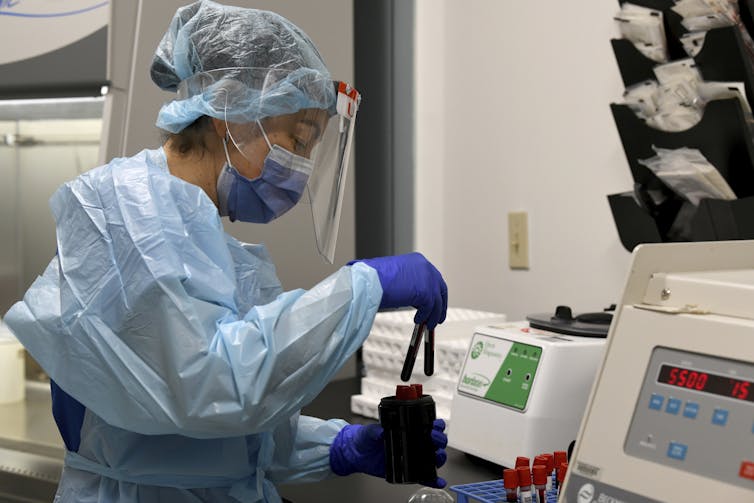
31, 450
28, 477
62, 108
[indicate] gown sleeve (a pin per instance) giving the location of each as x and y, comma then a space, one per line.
135, 316
303, 455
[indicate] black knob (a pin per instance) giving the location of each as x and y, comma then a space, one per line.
563, 313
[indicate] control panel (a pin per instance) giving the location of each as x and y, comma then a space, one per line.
696, 413
500, 370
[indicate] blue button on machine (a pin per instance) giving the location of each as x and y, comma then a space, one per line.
674, 406
720, 417
677, 451
691, 410
655, 401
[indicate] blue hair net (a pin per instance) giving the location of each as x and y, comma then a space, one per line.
237, 64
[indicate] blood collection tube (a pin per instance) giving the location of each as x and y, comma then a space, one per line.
522, 461
550, 469
539, 460
510, 483
562, 470
524, 484
540, 482
560, 457
419, 390
413, 347
429, 353
406, 392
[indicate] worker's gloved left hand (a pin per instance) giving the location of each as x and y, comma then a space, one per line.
360, 449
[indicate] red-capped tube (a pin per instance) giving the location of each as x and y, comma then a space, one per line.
539, 473
562, 470
524, 476
540, 481
560, 457
550, 469
522, 461
550, 463
524, 484
405, 392
419, 390
539, 460
510, 483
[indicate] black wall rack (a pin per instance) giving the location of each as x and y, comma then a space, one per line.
724, 136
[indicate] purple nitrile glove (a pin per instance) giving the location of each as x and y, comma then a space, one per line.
360, 449
411, 280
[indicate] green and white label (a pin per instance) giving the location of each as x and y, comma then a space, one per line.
500, 370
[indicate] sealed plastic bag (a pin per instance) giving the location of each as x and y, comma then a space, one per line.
644, 28
688, 173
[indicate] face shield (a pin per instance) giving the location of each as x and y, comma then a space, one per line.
327, 184
300, 119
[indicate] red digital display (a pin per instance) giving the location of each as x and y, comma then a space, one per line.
696, 380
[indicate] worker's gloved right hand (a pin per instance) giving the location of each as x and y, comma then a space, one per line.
411, 280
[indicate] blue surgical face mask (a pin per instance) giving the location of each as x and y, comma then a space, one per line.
276, 190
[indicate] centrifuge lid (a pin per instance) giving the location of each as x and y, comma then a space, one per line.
582, 325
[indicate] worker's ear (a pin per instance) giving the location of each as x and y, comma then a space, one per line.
220, 127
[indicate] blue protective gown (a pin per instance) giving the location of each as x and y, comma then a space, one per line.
186, 360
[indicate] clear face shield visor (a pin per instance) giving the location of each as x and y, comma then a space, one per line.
310, 117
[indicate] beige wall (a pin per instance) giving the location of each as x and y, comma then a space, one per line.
513, 115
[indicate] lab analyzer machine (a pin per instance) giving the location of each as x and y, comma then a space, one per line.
671, 415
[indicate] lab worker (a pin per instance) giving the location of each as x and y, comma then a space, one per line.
178, 363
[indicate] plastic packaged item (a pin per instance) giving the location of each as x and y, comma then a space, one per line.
680, 70
431, 495
706, 23
698, 8
407, 420
642, 98
709, 91
688, 173
644, 28
681, 119
673, 104
693, 42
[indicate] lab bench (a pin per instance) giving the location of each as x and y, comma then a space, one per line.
335, 401
31, 454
